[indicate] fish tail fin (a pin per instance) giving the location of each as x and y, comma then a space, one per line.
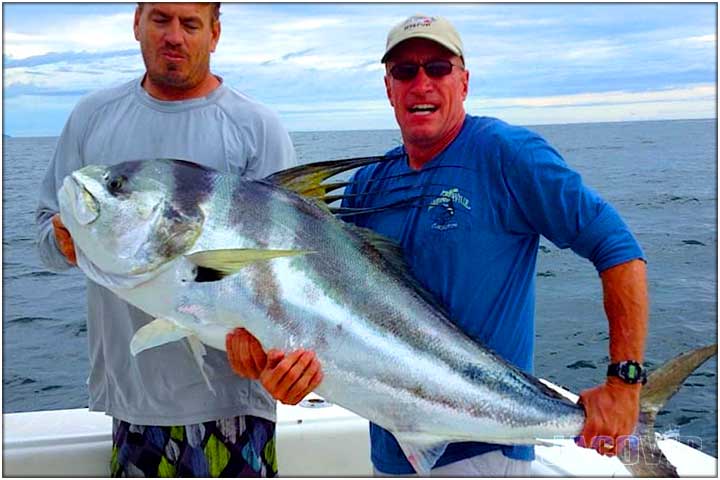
648, 460
665, 381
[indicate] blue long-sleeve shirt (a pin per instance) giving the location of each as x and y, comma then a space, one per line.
471, 237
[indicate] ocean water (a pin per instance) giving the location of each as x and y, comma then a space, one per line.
661, 176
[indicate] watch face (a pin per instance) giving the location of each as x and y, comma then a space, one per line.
631, 371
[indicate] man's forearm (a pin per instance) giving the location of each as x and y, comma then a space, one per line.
626, 304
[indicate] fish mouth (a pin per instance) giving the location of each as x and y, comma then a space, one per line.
85, 208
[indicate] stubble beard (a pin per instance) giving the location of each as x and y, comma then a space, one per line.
173, 76
170, 74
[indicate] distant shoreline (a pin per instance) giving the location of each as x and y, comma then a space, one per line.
5, 136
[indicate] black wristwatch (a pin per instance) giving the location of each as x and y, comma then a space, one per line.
629, 371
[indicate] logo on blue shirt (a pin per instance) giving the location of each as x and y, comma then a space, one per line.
443, 208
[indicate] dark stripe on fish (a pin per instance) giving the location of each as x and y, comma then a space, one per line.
421, 392
118, 181
126, 169
267, 291
193, 184
248, 195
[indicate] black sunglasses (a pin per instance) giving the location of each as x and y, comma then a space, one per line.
434, 68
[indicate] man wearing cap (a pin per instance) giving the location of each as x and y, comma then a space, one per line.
491, 190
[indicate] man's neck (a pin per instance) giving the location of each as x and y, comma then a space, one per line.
419, 153
169, 93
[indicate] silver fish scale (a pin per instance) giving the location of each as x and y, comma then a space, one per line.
386, 354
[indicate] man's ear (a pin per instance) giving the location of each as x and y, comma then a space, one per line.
466, 83
215, 29
136, 23
388, 90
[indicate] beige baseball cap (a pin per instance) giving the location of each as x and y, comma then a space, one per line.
437, 29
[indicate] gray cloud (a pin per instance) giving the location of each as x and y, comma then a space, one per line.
79, 70
19, 89
287, 56
39, 74
297, 54
65, 57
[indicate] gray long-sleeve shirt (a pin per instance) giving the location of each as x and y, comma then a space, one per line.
225, 130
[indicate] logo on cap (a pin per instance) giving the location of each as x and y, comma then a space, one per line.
414, 22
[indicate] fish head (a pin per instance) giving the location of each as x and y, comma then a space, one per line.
125, 218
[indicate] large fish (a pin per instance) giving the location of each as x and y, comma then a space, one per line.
204, 252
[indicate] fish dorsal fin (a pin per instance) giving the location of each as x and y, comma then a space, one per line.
344, 211
307, 179
218, 264
422, 452
392, 253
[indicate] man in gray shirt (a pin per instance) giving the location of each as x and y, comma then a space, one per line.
166, 422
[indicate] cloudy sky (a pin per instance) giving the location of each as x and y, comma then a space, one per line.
318, 66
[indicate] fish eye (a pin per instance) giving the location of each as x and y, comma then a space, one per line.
115, 184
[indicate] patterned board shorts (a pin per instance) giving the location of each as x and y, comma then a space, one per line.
241, 446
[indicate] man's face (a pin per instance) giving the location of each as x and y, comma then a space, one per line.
176, 40
428, 110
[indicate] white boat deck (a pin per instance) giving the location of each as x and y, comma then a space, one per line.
324, 440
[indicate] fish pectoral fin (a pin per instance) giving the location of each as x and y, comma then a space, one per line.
217, 264
421, 452
161, 331
158, 332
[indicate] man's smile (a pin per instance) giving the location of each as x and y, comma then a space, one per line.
423, 108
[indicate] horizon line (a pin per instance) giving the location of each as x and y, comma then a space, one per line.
584, 122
